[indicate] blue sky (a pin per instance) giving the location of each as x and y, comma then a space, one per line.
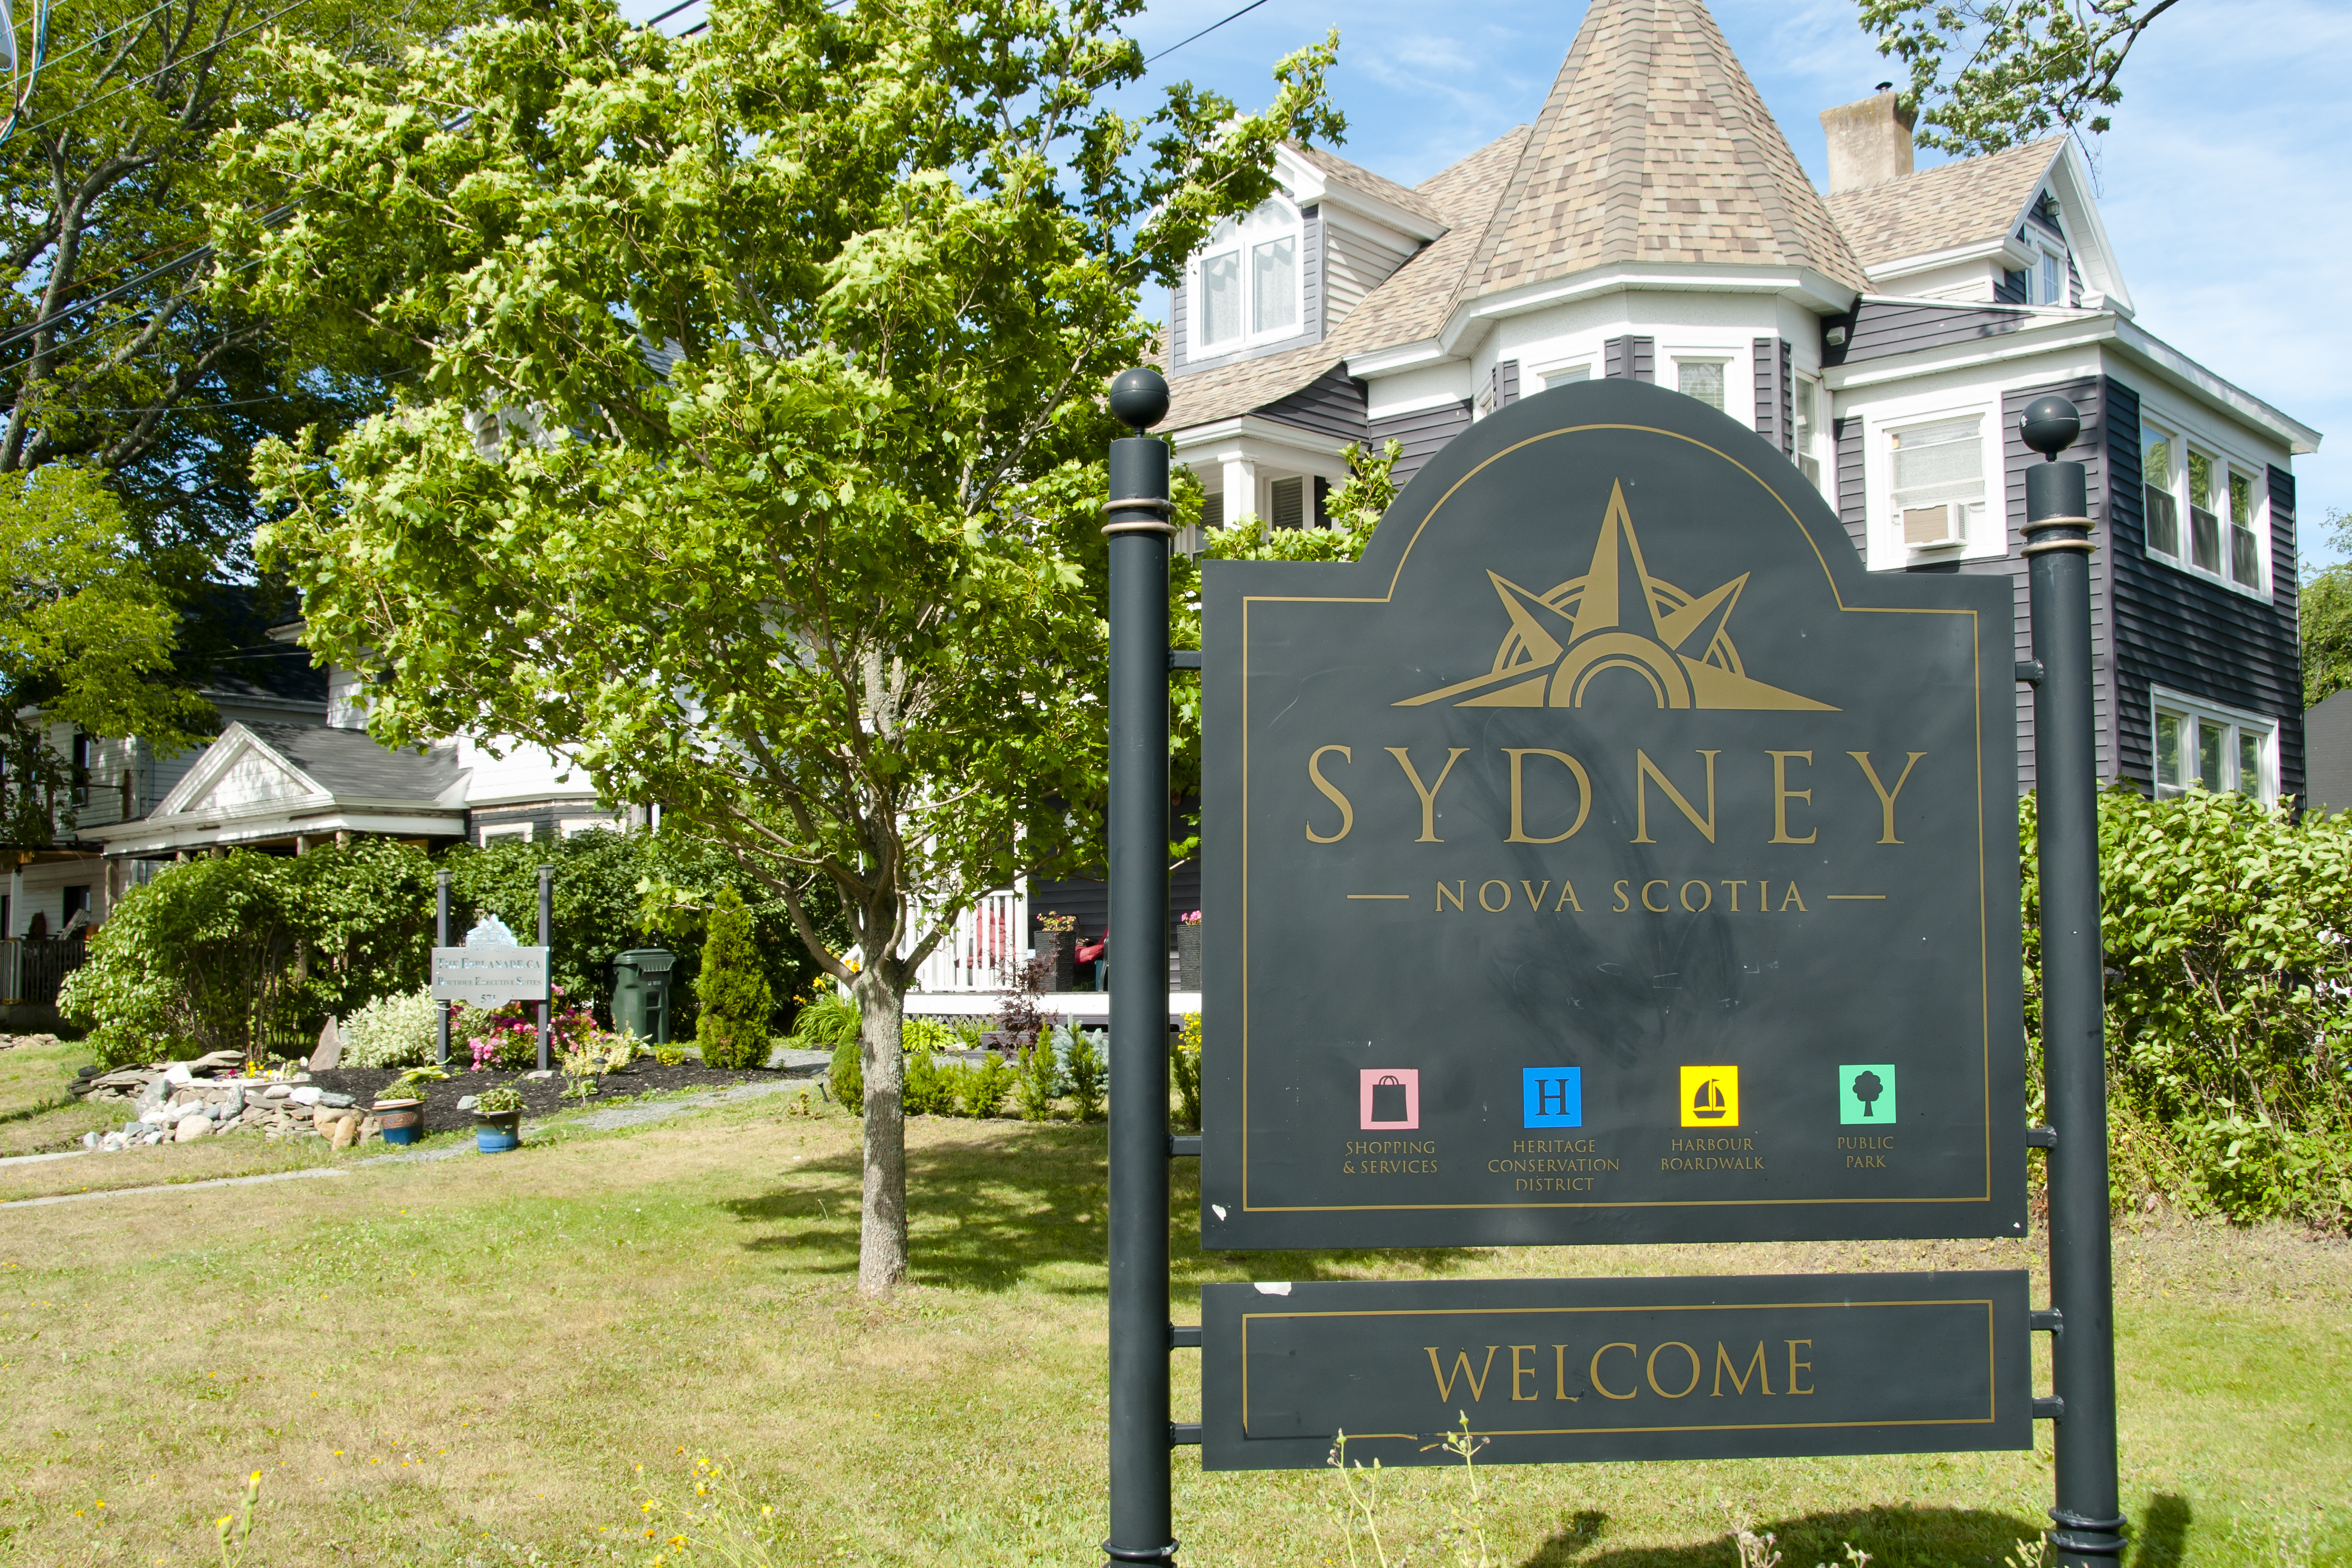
2230, 216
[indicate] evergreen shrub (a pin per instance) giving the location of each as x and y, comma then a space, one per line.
732, 989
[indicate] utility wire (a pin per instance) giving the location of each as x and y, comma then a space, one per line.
175, 65
1205, 32
120, 290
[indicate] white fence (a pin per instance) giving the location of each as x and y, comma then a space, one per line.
990, 934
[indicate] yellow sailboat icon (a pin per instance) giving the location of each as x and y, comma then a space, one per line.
1710, 1096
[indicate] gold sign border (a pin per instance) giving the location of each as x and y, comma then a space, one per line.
1992, 1366
1976, 645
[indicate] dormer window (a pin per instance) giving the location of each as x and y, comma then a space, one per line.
1246, 281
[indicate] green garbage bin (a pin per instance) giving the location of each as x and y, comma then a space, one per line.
641, 992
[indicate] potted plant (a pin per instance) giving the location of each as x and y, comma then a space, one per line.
1054, 931
1188, 952
399, 1110
497, 1119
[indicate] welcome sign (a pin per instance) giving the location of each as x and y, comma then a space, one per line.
1608, 857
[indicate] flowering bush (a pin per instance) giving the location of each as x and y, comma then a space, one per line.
507, 1039
402, 1030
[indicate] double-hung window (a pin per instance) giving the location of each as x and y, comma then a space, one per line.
1702, 379
1246, 281
1808, 425
1939, 482
2203, 510
2200, 747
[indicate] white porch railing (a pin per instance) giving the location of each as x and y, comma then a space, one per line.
985, 937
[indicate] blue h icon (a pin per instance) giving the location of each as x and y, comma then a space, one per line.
1554, 1095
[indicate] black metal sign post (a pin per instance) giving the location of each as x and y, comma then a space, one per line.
441, 939
546, 925
2089, 1515
1141, 1529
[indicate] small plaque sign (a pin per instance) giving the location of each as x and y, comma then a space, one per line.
488, 978
1550, 1371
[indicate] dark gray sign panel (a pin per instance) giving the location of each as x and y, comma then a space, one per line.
1551, 1370
1609, 857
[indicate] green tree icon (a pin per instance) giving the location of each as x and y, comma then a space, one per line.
1868, 1088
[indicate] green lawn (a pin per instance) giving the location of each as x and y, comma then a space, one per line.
466, 1362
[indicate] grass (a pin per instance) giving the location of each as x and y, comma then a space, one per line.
467, 1362
36, 1116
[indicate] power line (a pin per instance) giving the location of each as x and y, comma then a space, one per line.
1205, 32
119, 291
164, 70
682, 6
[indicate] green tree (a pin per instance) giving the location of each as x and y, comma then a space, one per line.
86, 638
756, 392
736, 1002
1990, 74
2324, 620
116, 359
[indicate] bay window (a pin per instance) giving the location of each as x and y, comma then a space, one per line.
1702, 379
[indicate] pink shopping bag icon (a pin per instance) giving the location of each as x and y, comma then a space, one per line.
1390, 1099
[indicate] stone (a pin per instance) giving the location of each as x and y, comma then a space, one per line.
541, 1073
191, 1128
330, 1049
278, 1091
113, 1142
328, 1097
178, 1073
467, 1101
158, 1116
89, 1140
306, 1095
346, 1133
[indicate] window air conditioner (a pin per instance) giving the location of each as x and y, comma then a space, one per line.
1934, 527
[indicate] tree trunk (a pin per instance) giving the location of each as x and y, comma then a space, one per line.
882, 1227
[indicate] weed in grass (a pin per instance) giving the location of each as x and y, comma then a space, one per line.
1359, 1505
2028, 1554
1756, 1551
1467, 1525
718, 1524
234, 1532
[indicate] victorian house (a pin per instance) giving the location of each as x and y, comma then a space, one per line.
1885, 334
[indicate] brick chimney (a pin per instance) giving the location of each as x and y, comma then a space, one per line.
1870, 141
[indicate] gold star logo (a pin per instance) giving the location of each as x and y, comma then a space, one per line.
1560, 641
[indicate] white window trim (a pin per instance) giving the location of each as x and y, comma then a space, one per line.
1824, 447
1556, 372
1988, 536
2188, 433
2180, 705
497, 830
1247, 234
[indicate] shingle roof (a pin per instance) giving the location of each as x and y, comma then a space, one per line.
1963, 203
1655, 147
1338, 171
1407, 305
351, 765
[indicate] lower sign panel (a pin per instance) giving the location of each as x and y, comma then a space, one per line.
1553, 1370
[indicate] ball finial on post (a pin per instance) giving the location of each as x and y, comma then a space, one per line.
1139, 398
2050, 425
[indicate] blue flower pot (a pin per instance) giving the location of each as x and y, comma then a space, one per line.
498, 1133
400, 1121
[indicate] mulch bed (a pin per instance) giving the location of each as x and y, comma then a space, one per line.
541, 1097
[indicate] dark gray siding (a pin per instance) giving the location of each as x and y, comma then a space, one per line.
1422, 432
1853, 500
1310, 310
2190, 635
2010, 289
1876, 330
2091, 450
1331, 405
1776, 411
1630, 358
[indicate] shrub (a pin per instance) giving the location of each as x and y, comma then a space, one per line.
846, 1077
827, 1018
398, 1031
499, 1099
1089, 1073
930, 1035
732, 989
1184, 1073
1037, 1081
983, 1086
930, 1089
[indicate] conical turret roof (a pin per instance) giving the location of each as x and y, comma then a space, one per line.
1655, 148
